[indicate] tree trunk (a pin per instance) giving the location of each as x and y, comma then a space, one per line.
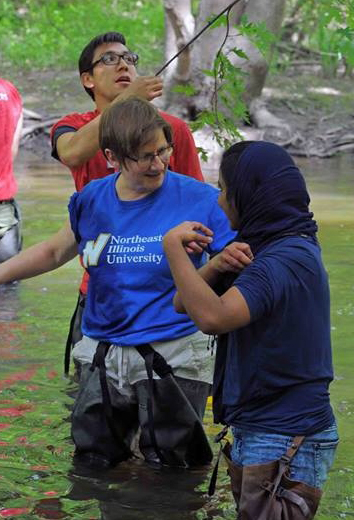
179, 27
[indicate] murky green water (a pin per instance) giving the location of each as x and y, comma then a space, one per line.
36, 478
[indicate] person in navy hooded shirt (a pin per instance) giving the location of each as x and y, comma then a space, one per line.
273, 364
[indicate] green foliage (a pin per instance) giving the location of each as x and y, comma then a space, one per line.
229, 84
228, 90
334, 40
232, 87
227, 102
41, 34
326, 27
222, 21
257, 33
187, 90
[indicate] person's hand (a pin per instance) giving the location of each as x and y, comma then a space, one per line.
234, 257
146, 87
194, 236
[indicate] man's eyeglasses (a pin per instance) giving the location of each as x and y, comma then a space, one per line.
113, 58
145, 161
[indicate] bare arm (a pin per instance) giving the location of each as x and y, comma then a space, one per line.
40, 258
75, 148
17, 136
233, 258
211, 313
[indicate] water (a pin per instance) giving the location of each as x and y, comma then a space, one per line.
36, 476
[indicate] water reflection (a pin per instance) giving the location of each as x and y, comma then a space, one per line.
8, 301
133, 491
9, 304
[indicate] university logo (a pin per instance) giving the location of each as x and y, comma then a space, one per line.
93, 249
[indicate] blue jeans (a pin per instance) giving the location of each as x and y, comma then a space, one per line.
310, 464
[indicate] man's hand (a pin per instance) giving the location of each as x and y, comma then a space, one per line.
146, 87
235, 257
194, 236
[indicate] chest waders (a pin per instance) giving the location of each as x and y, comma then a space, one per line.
103, 423
266, 491
171, 429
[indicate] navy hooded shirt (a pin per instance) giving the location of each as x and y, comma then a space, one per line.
270, 195
273, 375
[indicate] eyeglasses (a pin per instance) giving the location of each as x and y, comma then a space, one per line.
113, 58
145, 161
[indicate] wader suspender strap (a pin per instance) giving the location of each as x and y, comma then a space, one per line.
284, 461
157, 363
274, 487
69, 339
98, 361
214, 475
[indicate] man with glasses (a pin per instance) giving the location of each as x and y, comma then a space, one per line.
108, 74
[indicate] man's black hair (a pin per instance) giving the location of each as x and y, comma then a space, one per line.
86, 57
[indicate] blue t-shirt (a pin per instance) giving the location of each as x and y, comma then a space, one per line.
279, 367
130, 292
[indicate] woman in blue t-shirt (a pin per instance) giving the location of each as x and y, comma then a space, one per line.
116, 224
273, 364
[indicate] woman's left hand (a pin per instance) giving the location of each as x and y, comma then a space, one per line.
194, 236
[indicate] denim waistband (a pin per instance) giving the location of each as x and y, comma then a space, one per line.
329, 433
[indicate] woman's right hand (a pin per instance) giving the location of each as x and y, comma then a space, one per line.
233, 258
193, 236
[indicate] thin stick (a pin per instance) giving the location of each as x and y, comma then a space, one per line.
196, 36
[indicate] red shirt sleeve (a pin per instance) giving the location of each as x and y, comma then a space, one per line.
185, 158
74, 120
94, 168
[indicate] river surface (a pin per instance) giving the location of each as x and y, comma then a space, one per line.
37, 479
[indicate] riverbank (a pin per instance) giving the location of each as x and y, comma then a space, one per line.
318, 111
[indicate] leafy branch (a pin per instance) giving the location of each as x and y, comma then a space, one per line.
227, 100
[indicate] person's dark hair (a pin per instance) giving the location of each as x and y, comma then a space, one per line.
128, 125
86, 56
228, 167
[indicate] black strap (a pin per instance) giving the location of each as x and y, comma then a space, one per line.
214, 475
149, 363
154, 361
99, 362
159, 363
69, 339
